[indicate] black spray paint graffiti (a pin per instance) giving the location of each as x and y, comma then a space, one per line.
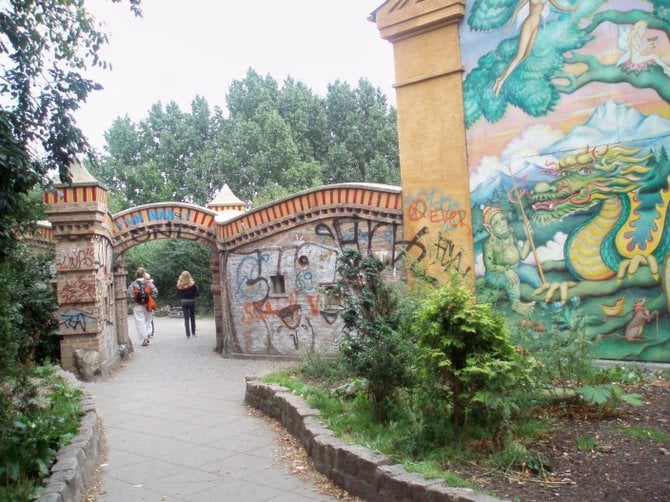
449, 255
364, 232
299, 269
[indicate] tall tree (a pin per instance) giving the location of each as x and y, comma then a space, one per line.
275, 141
45, 47
363, 144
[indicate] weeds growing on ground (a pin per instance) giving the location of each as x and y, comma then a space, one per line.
469, 391
37, 417
645, 433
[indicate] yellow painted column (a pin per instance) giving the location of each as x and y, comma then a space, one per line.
431, 130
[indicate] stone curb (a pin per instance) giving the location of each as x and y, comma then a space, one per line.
75, 463
362, 472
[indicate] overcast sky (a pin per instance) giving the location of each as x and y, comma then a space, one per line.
180, 49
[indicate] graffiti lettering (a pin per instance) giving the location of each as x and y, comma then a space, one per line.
354, 235
329, 316
76, 320
248, 281
314, 301
81, 290
437, 209
75, 259
449, 256
304, 281
408, 245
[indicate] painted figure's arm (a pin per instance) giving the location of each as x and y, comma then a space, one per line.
489, 263
558, 6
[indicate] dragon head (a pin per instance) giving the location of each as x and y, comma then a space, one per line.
586, 178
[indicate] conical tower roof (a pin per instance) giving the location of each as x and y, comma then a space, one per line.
226, 199
80, 174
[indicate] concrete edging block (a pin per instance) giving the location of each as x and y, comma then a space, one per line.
76, 462
361, 471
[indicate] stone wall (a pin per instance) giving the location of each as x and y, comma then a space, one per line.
277, 288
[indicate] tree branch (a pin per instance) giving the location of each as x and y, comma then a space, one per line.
612, 74
628, 17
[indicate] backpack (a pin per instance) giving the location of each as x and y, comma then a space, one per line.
141, 294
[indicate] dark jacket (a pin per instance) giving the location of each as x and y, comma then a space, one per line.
189, 293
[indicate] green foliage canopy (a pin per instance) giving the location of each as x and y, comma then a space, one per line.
274, 141
45, 46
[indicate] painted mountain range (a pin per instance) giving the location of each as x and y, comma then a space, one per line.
610, 124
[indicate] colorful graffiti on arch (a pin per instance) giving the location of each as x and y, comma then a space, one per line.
162, 214
568, 116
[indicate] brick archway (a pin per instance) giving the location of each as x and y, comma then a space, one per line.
163, 220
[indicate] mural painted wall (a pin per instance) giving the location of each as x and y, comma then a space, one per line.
567, 107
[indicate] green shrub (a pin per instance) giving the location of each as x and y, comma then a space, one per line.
27, 305
326, 368
471, 372
39, 414
567, 368
374, 347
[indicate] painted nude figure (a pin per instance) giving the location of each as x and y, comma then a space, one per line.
530, 27
503, 255
639, 49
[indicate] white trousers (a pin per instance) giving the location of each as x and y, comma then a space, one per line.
149, 318
140, 314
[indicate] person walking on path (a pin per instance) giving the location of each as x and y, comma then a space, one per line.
188, 291
138, 293
151, 308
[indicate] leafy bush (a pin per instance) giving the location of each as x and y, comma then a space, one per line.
567, 368
373, 312
469, 367
39, 414
27, 304
326, 368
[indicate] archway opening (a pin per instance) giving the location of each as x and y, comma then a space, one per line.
165, 259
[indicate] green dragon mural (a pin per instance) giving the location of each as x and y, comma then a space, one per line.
628, 229
563, 231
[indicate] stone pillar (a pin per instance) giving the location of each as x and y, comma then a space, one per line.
121, 303
431, 129
216, 300
83, 249
227, 205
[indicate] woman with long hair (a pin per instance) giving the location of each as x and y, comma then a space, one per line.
188, 291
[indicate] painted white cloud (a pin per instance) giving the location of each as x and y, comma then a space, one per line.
479, 265
552, 250
524, 148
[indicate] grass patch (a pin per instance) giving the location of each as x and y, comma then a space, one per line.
638, 431
586, 443
351, 418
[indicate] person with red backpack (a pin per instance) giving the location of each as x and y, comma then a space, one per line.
141, 293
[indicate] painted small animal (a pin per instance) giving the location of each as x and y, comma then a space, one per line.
641, 316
